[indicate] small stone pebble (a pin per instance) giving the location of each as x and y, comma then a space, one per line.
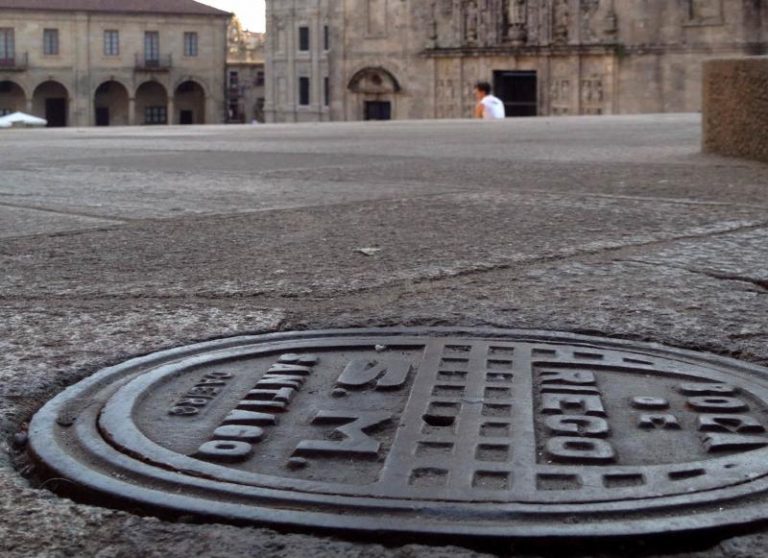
297, 463
380, 348
339, 392
20, 439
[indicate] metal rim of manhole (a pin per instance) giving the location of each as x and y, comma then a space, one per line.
464, 432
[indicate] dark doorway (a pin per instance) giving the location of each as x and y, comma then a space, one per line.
186, 117
102, 116
518, 90
378, 110
56, 112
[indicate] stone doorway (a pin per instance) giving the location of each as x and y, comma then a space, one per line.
190, 103
12, 98
51, 101
151, 103
378, 110
375, 91
518, 90
111, 104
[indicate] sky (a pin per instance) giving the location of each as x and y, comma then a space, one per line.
249, 12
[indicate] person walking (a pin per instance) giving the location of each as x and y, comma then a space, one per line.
488, 107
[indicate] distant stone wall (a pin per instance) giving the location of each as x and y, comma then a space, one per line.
735, 107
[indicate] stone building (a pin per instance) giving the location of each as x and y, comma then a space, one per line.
245, 75
297, 58
380, 59
113, 62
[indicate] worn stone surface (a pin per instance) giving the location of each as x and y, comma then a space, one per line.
614, 226
735, 108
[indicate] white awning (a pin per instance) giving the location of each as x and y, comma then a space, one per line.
21, 119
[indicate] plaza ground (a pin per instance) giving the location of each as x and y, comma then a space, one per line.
120, 242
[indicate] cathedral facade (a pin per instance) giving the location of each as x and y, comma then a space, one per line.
412, 59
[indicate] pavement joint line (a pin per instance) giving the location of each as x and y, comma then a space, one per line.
59, 234
576, 254
761, 283
248, 172
673, 201
413, 281
445, 193
212, 215
61, 212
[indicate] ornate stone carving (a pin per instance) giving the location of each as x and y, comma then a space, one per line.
610, 24
705, 11
471, 22
516, 23
589, 9
560, 21
517, 14
433, 25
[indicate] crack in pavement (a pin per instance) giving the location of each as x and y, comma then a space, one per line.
435, 279
64, 212
625, 197
212, 215
721, 276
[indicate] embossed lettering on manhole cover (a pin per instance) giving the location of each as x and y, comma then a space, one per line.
476, 433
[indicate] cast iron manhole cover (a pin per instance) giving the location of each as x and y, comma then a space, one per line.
484, 433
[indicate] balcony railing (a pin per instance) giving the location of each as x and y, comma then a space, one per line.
153, 64
17, 63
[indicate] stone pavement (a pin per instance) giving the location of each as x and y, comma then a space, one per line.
120, 242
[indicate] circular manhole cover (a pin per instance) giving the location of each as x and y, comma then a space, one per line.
472, 432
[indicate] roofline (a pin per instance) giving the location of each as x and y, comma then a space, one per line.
221, 13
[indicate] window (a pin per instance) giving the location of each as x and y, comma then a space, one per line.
155, 115
152, 47
303, 39
327, 91
326, 38
111, 43
259, 81
234, 79
7, 47
50, 42
303, 91
190, 44
5, 111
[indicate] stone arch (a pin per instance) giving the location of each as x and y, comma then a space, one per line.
375, 92
13, 97
111, 104
189, 100
100, 80
198, 80
50, 100
152, 103
375, 80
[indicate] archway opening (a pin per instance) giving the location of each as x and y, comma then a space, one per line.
12, 98
190, 103
152, 103
375, 89
111, 104
51, 101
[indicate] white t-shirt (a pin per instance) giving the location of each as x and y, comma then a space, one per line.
493, 108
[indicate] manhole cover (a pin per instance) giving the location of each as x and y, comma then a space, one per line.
475, 433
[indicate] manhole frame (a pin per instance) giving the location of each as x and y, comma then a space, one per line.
43, 441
